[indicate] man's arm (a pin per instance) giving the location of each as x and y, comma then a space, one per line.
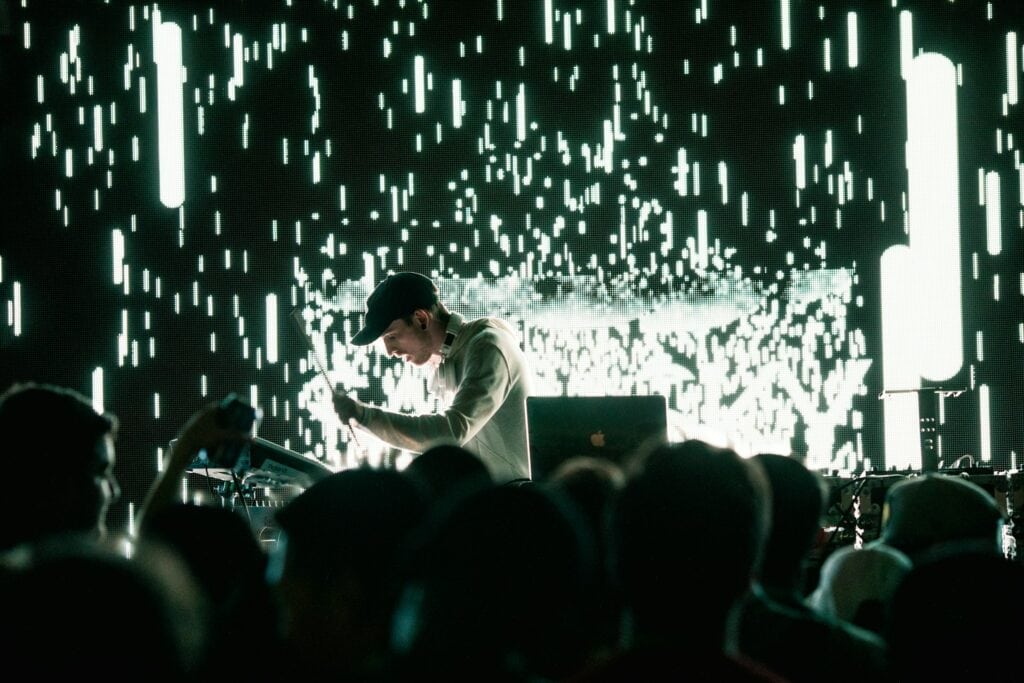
201, 431
485, 384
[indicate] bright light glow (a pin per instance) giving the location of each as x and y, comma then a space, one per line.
549, 25
1011, 68
419, 84
852, 56
118, 256
993, 214
97, 390
97, 127
16, 306
787, 41
900, 353
934, 211
906, 41
456, 103
521, 113
611, 16
272, 351
170, 116
984, 413
799, 156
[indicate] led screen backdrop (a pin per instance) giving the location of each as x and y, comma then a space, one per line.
800, 222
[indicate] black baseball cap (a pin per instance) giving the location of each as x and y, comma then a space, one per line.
395, 297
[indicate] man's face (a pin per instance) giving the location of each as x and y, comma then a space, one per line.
410, 342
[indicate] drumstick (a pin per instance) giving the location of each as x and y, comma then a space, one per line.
301, 325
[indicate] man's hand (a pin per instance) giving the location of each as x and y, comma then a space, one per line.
202, 431
348, 408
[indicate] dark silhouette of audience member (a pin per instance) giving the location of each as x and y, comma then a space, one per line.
857, 585
776, 627
68, 446
496, 589
74, 610
687, 533
339, 544
592, 485
220, 551
954, 619
923, 515
447, 470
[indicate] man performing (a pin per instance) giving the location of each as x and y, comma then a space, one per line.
481, 377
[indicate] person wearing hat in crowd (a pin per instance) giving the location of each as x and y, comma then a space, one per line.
938, 514
480, 374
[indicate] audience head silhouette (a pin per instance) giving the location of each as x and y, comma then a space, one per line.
340, 541
797, 503
926, 514
57, 433
689, 528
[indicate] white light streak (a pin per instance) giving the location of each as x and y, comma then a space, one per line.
985, 414
906, 41
118, 254
787, 41
272, 348
611, 16
1011, 68
852, 47
993, 214
16, 306
456, 103
170, 118
97, 390
521, 113
419, 84
549, 25
97, 128
900, 353
934, 210
799, 156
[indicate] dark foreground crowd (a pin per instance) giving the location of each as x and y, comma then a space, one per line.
688, 564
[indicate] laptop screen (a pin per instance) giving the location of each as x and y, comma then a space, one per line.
608, 427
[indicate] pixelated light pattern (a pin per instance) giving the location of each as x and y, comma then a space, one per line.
661, 197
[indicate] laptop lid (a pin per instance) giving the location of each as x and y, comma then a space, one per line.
608, 427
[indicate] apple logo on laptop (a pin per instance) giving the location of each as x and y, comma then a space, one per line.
597, 439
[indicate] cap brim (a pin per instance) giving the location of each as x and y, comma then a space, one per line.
368, 334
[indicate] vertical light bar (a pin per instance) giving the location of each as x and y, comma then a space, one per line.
97, 390
799, 156
521, 113
237, 62
993, 214
852, 40
1011, 68
118, 256
419, 83
16, 305
900, 353
549, 22
170, 116
906, 41
271, 328
723, 181
787, 41
611, 16
97, 127
456, 103
985, 415
702, 239
934, 210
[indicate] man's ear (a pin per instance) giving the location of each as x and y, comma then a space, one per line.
421, 318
